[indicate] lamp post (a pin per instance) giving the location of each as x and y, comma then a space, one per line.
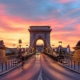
60, 48
46, 50
53, 48
61, 57
60, 43
32, 50
26, 47
13, 45
20, 42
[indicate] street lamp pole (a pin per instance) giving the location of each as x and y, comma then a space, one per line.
20, 42
53, 47
60, 43
13, 48
60, 48
26, 48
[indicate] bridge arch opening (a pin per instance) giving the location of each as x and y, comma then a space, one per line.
39, 45
39, 33
39, 42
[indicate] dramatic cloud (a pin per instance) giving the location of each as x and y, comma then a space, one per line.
62, 15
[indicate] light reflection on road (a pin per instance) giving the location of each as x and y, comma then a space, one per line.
38, 56
40, 67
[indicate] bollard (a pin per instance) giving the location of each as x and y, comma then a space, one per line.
2, 67
71, 63
5, 65
74, 65
11, 64
8, 65
78, 66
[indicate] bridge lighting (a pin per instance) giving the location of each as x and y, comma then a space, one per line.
47, 50
20, 42
53, 48
52, 45
26, 46
60, 43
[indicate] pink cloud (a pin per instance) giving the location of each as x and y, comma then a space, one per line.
65, 1
13, 28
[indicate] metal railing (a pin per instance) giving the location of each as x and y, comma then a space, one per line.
71, 64
11, 64
67, 62
7, 66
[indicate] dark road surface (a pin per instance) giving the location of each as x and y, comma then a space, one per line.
40, 67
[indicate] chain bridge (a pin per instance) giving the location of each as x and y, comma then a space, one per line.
47, 65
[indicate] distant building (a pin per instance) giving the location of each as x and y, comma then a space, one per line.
39, 48
77, 52
64, 50
11, 50
8, 50
22, 49
78, 44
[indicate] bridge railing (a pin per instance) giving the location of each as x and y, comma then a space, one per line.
11, 64
71, 64
8, 65
74, 65
67, 62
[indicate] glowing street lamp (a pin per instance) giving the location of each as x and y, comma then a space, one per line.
53, 45
20, 42
26, 45
53, 48
60, 48
60, 43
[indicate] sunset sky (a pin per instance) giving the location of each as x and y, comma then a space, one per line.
62, 15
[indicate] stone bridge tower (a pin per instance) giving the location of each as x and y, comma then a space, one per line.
39, 32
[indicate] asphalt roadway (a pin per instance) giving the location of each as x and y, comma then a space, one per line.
40, 67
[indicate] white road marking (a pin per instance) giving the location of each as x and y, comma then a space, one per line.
40, 75
46, 78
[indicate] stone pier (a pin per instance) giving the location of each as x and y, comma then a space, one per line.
2, 52
77, 52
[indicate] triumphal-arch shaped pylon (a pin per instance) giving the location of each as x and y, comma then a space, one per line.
39, 32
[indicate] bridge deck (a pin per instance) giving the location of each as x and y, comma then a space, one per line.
40, 67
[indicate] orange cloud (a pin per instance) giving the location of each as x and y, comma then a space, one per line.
13, 28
